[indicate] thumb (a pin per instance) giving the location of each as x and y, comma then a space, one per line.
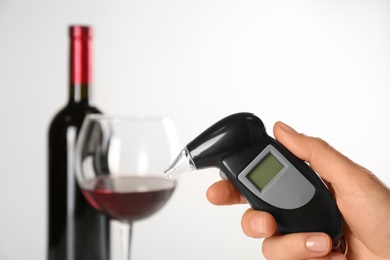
361, 197
330, 164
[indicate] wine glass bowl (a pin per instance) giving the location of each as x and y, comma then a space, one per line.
128, 198
120, 163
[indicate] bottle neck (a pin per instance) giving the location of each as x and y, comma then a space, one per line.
79, 93
80, 64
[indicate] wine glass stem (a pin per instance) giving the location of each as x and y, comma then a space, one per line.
126, 229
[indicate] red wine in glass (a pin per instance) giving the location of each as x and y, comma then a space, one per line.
128, 198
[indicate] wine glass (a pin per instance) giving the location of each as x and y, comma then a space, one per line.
120, 163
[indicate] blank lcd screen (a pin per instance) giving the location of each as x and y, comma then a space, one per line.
265, 171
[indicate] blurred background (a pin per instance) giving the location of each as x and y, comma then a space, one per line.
320, 66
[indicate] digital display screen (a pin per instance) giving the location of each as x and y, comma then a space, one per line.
265, 171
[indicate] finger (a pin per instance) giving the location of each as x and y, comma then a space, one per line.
297, 246
359, 194
258, 224
323, 158
224, 193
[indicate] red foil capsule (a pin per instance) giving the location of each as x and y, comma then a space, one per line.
80, 55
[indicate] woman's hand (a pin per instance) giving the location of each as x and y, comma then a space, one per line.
363, 200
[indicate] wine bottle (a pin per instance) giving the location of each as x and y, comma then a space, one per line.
76, 231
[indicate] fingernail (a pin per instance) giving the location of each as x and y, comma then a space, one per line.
287, 128
317, 243
337, 257
258, 225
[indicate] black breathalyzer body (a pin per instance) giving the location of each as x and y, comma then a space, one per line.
267, 175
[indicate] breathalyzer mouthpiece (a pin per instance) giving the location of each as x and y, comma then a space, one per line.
183, 163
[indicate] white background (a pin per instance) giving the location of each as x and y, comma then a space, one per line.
320, 66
